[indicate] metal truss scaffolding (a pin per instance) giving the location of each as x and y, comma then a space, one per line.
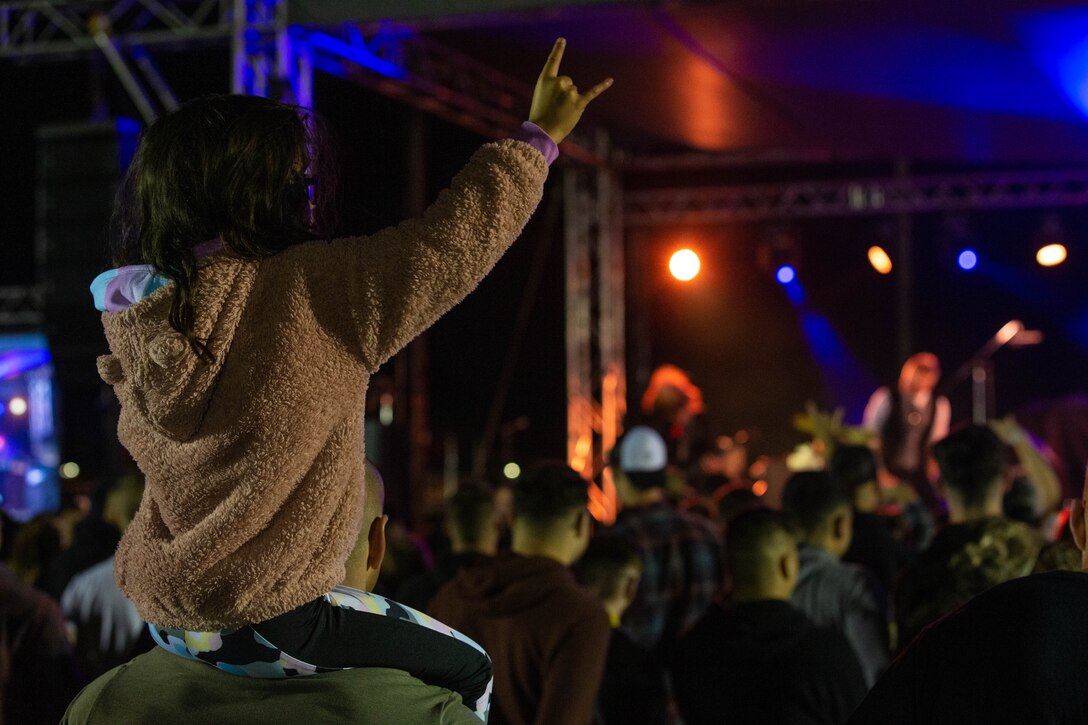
43, 29
851, 197
396, 62
596, 378
20, 307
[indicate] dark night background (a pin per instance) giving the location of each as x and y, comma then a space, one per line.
757, 357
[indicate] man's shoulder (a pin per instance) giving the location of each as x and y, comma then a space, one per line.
824, 645
1048, 609
95, 584
1018, 647
581, 601
819, 563
880, 396
511, 586
445, 604
790, 640
663, 519
699, 527
162, 687
987, 551
706, 633
1038, 596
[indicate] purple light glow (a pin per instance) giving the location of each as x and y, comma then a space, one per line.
967, 260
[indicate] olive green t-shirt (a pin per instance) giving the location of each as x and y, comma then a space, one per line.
161, 688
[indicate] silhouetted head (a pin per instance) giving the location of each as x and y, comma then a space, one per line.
819, 506
471, 521
611, 569
920, 372
550, 515
364, 563
972, 465
760, 556
548, 492
855, 467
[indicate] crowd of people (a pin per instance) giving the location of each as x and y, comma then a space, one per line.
693, 606
237, 580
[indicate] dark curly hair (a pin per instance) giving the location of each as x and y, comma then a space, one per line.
257, 174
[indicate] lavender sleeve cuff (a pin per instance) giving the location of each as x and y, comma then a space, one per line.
536, 137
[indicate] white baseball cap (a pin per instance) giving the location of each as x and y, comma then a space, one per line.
642, 450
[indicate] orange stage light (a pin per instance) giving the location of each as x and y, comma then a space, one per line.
880, 260
1051, 255
684, 265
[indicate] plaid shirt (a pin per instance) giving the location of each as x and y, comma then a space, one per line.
681, 571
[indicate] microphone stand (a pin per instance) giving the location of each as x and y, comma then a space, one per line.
979, 367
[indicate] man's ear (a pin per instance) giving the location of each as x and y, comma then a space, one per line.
583, 523
843, 524
630, 587
376, 540
788, 565
783, 566
1077, 524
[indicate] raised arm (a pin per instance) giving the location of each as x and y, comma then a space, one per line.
393, 285
1040, 472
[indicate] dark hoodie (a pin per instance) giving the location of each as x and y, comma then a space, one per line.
547, 637
764, 662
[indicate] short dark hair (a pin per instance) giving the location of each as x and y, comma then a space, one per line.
736, 502
811, 497
471, 512
971, 462
855, 466
601, 568
647, 480
549, 491
749, 541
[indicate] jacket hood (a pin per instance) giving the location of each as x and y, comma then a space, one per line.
510, 584
152, 367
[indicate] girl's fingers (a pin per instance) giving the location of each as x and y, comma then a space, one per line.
596, 91
551, 67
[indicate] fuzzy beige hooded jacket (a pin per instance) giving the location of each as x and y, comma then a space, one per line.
254, 462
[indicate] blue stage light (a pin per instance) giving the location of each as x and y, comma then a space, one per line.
967, 259
785, 274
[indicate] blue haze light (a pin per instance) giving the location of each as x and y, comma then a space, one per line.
1057, 40
967, 259
845, 379
785, 274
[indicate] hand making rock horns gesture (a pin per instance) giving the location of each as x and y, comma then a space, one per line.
557, 105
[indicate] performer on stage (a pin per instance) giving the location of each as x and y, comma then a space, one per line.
907, 420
